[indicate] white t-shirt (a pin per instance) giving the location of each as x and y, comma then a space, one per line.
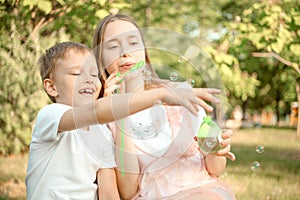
64, 166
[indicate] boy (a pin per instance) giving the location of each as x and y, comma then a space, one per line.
68, 144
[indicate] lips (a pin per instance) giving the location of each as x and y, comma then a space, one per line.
127, 65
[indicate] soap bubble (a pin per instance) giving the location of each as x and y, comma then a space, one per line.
211, 142
260, 149
255, 165
181, 59
146, 75
173, 76
192, 82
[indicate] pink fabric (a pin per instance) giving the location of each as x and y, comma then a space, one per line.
180, 172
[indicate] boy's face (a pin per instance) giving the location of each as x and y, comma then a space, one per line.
76, 78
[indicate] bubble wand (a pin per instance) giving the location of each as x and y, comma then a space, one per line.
133, 68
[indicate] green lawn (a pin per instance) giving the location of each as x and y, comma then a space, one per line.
277, 178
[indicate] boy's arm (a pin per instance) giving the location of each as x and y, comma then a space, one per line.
115, 107
127, 163
107, 185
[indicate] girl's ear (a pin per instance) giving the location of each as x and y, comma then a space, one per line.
50, 87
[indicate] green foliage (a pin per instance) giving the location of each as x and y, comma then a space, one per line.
238, 83
269, 27
30, 26
21, 93
27, 29
20, 89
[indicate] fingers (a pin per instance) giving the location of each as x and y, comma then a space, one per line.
192, 109
183, 97
111, 90
205, 105
207, 94
113, 80
213, 90
226, 144
190, 106
112, 84
227, 133
230, 156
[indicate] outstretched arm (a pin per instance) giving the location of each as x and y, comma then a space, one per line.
118, 106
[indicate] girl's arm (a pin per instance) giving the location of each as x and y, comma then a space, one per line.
128, 171
216, 163
118, 106
107, 185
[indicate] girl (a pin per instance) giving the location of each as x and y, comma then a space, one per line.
172, 167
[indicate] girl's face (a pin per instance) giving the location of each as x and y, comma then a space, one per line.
122, 46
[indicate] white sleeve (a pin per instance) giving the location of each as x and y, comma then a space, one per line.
47, 122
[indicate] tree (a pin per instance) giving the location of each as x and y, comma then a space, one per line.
271, 29
202, 22
27, 28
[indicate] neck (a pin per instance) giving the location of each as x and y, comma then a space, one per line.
134, 84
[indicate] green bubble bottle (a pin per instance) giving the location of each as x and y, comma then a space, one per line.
209, 136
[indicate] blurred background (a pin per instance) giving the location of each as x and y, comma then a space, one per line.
255, 46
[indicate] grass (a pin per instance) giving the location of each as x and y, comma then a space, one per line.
278, 177
12, 177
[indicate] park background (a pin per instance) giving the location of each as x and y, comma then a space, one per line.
255, 46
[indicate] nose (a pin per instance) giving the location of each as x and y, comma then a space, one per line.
125, 51
89, 79
125, 54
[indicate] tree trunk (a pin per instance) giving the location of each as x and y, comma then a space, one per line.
298, 99
244, 107
148, 14
277, 107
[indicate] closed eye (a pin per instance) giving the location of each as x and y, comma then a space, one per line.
134, 43
113, 47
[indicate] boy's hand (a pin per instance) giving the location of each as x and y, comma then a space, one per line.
206, 94
202, 94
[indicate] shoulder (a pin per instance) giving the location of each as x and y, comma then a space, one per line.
48, 119
53, 109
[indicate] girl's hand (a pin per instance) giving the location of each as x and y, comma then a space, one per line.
226, 143
112, 84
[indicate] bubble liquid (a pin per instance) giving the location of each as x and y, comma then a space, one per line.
209, 136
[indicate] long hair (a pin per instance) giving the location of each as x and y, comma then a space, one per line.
98, 45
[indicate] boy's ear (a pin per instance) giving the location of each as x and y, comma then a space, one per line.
50, 87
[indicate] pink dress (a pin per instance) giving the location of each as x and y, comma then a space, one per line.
172, 165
